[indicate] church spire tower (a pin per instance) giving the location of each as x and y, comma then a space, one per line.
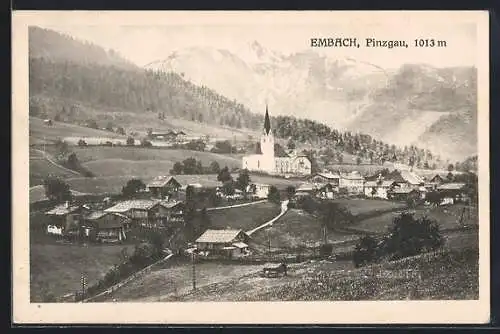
267, 145
267, 123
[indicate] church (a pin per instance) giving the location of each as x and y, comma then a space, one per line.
268, 161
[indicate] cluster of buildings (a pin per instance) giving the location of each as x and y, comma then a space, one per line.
268, 161
399, 185
113, 223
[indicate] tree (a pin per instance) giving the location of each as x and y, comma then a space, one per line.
224, 175
409, 236
62, 149
449, 177
92, 124
358, 160
130, 141
374, 192
434, 198
243, 180
274, 195
340, 157
214, 167
291, 145
57, 190
290, 191
109, 127
120, 131
133, 187
177, 169
146, 143
365, 251
450, 168
228, 188
73, 162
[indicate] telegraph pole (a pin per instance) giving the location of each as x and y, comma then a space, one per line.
83, 281
194, 271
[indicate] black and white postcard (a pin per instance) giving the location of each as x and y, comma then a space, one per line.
250, 167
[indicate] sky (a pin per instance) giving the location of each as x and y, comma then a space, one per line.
143, 44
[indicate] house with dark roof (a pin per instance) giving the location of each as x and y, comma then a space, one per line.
106, 226
353, 182
223, 243
379, 189
65, 219
150, 213
163, 187
404, 194
455, 192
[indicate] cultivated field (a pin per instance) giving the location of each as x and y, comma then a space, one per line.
368, 206
448, 217
451, 274
140, 122
245, 217
296, 229
177, 279
41, 169
58, 130
56, 269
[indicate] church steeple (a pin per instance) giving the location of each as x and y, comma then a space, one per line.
267, 123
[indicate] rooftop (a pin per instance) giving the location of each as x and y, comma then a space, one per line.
63, 209
138, 204
451, 186
162, 182
219, 236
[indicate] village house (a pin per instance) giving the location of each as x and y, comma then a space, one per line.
258, 190
406, 179
163, 187
327, 183
404, 194
223, 243
379, 189
149, 213
308, 188
324, 178
327, 191
106, 226
65, 219
453, 192
172, 212
353, 182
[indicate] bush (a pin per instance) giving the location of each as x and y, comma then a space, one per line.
133, 187
130, 141
274, 195
365, 251
82, 142
57, 190
409, 236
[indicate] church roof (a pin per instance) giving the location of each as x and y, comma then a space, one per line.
267, 123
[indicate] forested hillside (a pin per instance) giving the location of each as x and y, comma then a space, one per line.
70, 72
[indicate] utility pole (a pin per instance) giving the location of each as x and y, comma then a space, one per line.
83, 281
194, 271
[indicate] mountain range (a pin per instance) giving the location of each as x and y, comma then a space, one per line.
417, 104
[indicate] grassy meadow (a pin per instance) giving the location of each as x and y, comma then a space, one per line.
245, 217
448, 217
296, 229
56, 269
